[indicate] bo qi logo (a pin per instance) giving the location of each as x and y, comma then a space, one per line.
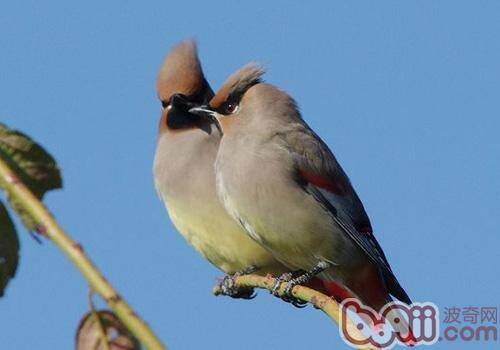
390, 326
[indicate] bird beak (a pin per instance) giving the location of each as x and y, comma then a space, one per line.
180, 101
205, 112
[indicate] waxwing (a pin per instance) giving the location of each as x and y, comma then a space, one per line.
278, 179
184, 170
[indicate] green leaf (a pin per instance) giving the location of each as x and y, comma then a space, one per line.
89, 335
32, 165
9, 249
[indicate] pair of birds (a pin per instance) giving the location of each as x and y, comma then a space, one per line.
251, 187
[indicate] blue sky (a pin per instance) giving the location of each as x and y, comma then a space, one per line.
405, 93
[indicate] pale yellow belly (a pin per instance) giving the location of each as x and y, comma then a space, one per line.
220, 239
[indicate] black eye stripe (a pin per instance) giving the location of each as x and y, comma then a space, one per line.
234, 98
228, 107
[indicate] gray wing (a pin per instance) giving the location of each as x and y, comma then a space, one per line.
319, 174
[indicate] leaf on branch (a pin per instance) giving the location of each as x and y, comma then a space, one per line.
32, 164
91, 332
9, 249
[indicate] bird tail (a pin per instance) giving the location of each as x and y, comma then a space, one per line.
371, 293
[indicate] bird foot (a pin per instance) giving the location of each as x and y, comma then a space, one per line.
302, 278
287, 296
228, 285
283, 278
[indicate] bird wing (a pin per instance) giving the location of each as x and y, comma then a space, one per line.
319, 173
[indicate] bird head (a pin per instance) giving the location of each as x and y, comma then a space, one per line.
245, 99
228, 101
181, 85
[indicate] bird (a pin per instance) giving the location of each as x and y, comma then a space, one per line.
184, 173
282, 183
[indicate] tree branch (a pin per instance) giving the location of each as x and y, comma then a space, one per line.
47, 226
319, 300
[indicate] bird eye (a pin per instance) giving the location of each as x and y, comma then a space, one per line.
231, 108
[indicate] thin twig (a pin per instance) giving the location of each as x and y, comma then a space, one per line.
47, 225
319, 300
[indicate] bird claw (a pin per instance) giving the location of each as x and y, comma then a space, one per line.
283, 278
228, 285
289, 287
302, 278
287, 295
299, 304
